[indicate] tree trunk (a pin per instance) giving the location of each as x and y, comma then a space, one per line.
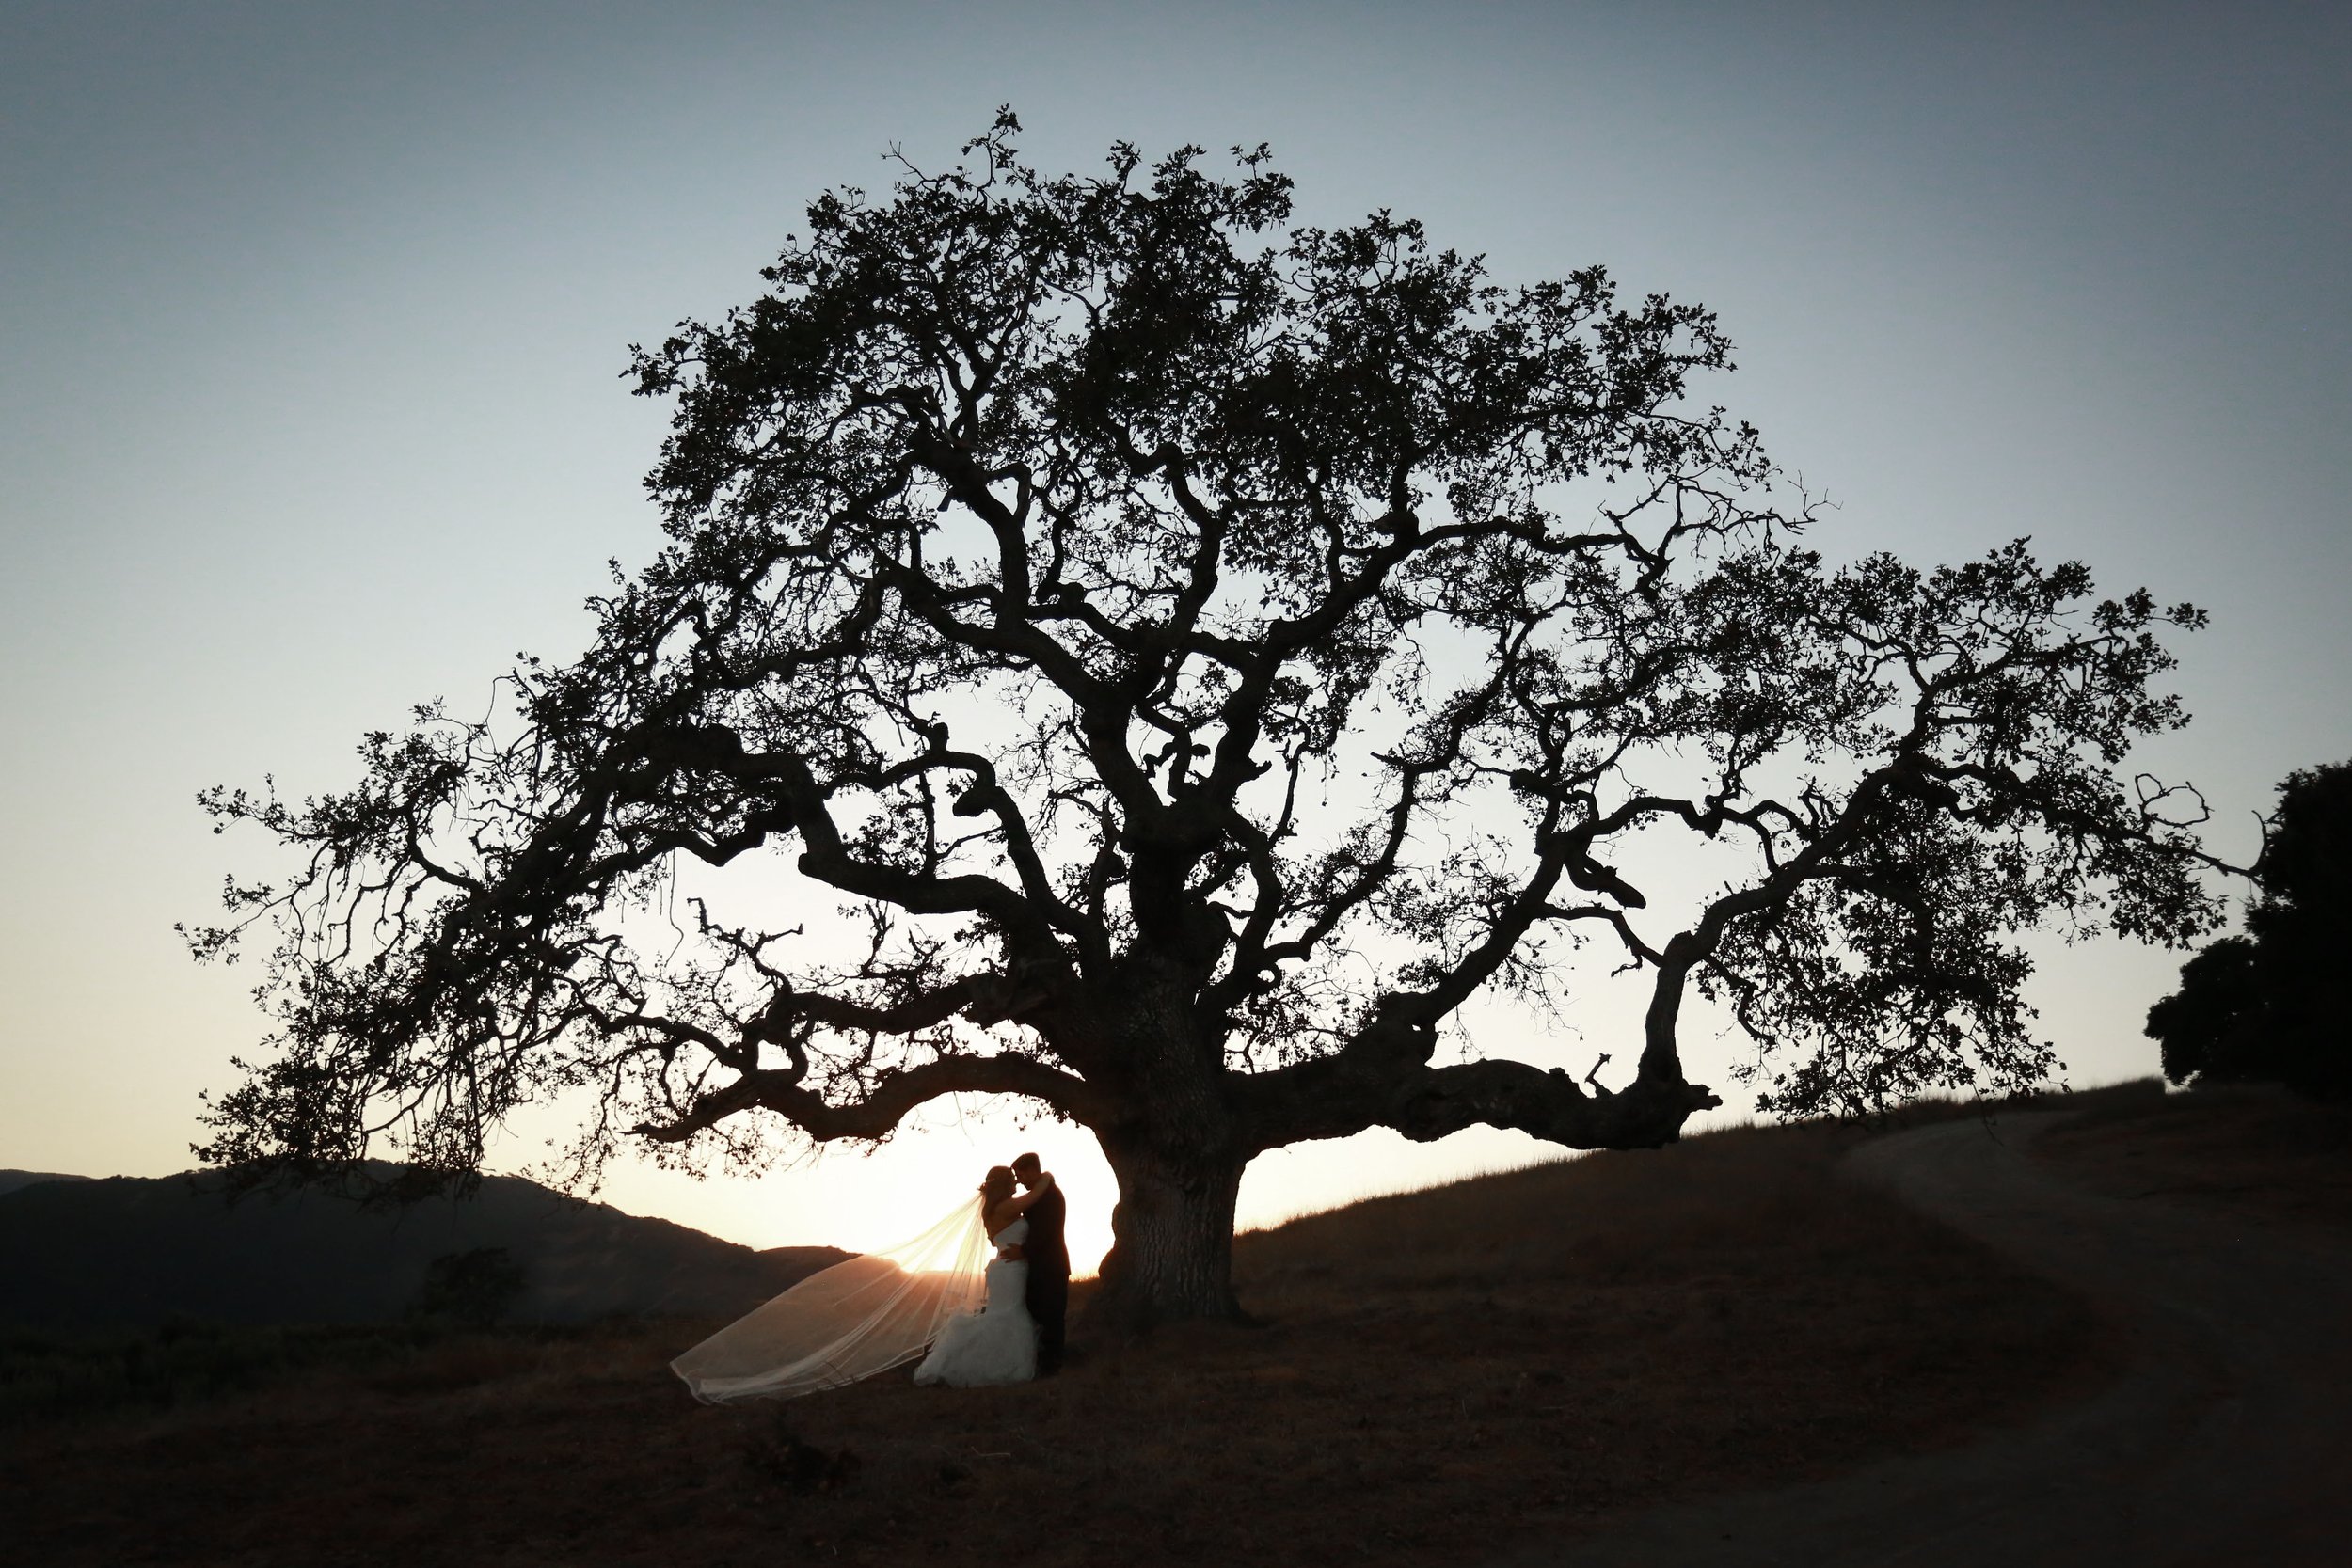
1176, 1153
1172, 1256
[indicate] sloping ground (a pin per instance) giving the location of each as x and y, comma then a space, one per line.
11, 1180
125, 1251
1436, 1376
2226, 1151
2227, 1439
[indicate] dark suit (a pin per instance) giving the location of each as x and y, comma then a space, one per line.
1049, 1277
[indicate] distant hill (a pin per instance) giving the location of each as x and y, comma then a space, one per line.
77, 1252
11, 1180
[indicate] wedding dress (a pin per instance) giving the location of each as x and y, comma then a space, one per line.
997, 1343
862, 1316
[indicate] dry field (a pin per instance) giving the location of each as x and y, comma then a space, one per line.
1434, 1376
2256, 1148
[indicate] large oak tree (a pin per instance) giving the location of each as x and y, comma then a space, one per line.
1201, 652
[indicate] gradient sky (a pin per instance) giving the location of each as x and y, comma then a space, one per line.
311, 319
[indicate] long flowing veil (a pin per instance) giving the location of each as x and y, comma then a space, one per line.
862, 1316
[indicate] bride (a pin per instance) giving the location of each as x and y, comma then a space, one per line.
881, 1310
998, 1342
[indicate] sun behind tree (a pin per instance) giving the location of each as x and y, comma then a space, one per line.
1204, 651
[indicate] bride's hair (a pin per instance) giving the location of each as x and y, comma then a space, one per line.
998, 1185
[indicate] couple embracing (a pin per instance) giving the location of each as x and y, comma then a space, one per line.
1017, 1333
973, 1326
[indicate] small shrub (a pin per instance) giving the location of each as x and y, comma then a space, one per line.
776, 1453
475, 1289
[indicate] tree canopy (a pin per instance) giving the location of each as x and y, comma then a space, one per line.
2276, 1004
1193, 654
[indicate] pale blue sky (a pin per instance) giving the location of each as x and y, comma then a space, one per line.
312, 319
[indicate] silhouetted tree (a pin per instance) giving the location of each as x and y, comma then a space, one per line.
2276, 1004
1199, 654
475, 1288
2208, 1024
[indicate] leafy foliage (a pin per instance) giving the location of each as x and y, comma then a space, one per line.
2276, 1004
476, 1287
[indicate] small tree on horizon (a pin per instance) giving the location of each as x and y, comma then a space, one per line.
475, 1289
1197, 654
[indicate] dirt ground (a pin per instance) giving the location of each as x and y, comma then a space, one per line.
1433, 1378
2226, 1438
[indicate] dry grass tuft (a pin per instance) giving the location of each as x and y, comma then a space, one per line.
1432, 1375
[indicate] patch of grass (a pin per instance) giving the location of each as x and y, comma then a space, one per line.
2239, 1146
47, 1376
2123, 1098
1432, 1376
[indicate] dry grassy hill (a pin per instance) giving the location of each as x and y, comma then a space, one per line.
1434, 1376
80, 1254
2242, 1146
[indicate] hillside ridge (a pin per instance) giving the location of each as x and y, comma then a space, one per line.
12, 1179
128, 1251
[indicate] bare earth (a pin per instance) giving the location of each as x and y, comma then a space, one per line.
2228, 1441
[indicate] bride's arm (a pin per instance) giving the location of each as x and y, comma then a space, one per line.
1003, 1213
1018, 1205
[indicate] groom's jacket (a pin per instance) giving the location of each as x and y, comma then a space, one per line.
1046, 1249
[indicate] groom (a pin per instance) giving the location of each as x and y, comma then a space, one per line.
1049, 1264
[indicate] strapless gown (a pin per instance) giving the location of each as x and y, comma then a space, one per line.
998, 1342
